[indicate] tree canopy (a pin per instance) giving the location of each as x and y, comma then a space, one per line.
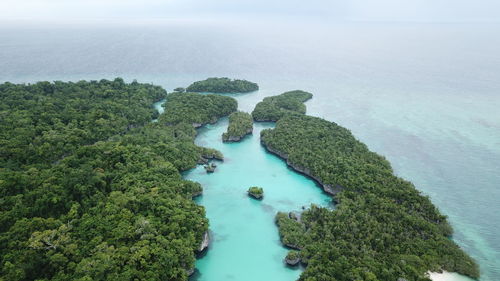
45, 121
256, 192
196, 109
274, 107
90, 189
223, 85
382, 227
240, 124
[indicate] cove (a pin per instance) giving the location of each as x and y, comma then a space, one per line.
245, 242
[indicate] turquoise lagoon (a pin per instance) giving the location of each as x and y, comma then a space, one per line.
245, 241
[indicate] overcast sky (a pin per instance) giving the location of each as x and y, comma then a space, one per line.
383, 10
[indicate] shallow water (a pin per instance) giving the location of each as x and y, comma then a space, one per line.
245, 241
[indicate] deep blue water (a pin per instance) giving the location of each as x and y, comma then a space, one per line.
426, 96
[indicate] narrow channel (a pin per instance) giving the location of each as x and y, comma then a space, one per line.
245, 241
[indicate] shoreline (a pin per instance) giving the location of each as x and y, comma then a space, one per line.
448, 276
237, 138
327, 188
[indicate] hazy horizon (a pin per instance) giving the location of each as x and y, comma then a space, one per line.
322, 10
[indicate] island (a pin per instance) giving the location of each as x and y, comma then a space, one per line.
240, 125
382, 227
271, 109
223, 85
210, 168
86, 187
256, 192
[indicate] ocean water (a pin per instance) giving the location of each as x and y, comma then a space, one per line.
426, 96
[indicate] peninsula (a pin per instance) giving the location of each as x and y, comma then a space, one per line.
275, 107
382, 227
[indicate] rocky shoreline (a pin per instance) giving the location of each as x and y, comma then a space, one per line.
205, 242
212, 121
292, 258
327, 188
237, 138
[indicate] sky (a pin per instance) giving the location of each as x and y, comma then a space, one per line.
358, 10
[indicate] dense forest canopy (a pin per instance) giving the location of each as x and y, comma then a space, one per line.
240, 124
382, 228
90, 189
275, 107
223, 85
42, 122
196, 109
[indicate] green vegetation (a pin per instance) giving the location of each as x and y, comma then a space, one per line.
291, 231
240, 125
275, 107
382, 228
223, 85
196, 109
292, 258
45, 121
90, 189
256, 192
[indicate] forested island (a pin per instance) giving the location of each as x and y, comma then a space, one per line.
256, 192
381, 229
223, 85
275, 107
91, 189
240, 125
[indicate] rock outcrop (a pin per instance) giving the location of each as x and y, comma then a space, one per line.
205, 242
292, 258
237, 138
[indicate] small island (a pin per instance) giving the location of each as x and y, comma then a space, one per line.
240, 125
210, 168
256, 192
292, 258
223, 85
273, 108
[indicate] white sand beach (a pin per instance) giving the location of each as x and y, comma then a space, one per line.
448, 276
